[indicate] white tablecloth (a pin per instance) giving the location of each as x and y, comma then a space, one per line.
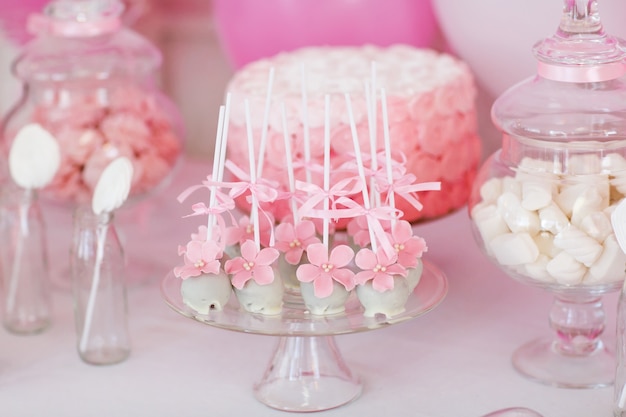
451, 362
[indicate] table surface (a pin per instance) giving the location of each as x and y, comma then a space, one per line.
455, 361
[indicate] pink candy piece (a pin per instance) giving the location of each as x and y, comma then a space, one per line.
127, 129
78, 143
95, 125
96, 163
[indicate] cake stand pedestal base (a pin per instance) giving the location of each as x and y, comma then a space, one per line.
306, 374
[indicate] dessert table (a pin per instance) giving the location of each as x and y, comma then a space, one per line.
455, 361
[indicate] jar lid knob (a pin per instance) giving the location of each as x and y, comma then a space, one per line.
580, 50
77, 18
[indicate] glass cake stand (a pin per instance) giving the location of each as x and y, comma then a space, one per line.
307, 372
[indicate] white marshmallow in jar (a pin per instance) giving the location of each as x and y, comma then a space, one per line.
541, 205
549, 226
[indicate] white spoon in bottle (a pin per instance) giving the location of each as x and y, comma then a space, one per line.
110, 194
34, 159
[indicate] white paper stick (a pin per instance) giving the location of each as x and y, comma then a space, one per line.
305, 124
266, 122
220, 171
374, 162
373, 98
216, 167
390, 193
254, 209
325, 220
374, 195
288, 157
359, 164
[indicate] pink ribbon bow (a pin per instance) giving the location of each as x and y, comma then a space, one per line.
311, 166
264, 190
374, 216
200, 209
213, 186
337, 194
406, 187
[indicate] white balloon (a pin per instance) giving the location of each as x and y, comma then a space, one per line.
496, 37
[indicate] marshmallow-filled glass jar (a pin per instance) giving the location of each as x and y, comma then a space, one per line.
91, 83
541, 205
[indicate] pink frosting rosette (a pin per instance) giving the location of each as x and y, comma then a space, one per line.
431, 108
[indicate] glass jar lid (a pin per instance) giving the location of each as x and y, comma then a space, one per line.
580, 50
82, 39
578, 93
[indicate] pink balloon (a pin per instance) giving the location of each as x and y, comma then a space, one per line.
496, 37
15, 13
253, 29
14, 16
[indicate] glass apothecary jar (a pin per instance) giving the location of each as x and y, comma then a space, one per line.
541, 205
92, 83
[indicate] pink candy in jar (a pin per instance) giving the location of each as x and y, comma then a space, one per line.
90, 82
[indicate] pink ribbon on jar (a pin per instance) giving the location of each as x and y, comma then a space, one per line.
581, 73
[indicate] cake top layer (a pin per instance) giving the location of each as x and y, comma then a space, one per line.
401, 69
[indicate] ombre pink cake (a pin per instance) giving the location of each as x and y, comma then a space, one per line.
432, 115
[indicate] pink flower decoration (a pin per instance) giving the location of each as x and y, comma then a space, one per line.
252, 264
377, 267
201, 236
409, 248
200, 258
323, 269
244, 230
294, 240
358, 229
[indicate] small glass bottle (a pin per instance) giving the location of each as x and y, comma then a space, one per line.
100, 306
24, 260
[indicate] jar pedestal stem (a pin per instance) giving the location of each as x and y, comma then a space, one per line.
576, 357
